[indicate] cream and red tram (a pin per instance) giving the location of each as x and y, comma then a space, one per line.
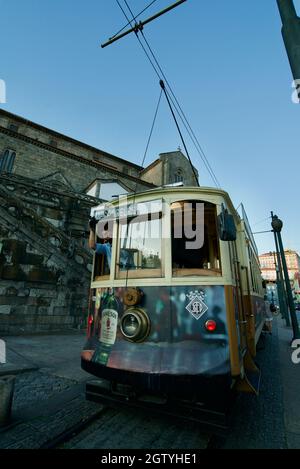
168, 323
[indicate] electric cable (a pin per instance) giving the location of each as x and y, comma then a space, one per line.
178, 128
180, 112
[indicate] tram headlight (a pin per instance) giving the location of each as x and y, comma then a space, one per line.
135, 325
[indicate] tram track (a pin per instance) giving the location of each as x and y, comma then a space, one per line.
122, 429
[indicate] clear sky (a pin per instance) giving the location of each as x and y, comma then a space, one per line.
227, 65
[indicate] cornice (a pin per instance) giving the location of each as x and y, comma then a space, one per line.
69, 155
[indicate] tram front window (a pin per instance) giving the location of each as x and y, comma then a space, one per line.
139, 247
204, 259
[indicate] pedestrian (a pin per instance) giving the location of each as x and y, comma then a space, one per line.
104, 247
270, 309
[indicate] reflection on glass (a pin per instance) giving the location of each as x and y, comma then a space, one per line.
140, 244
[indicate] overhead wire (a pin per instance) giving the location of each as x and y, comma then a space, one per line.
177, 107
136, 184
184, 118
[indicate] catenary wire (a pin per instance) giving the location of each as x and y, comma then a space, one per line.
136, 184
180, 112
184, 118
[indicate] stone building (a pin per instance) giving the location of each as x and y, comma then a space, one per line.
48, 184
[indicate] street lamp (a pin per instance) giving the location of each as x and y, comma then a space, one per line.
277, 227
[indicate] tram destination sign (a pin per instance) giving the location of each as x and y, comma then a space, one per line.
125, 210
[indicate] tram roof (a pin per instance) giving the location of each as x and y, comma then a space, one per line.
183, 191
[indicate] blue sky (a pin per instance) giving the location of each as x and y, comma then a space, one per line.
227, 65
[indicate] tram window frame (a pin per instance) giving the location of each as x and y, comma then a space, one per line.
140, 272
213, 247
101, 269
254, 271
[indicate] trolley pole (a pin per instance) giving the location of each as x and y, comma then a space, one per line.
277, 227
291, 37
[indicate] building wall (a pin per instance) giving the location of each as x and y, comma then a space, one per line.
36, 161
154, 173
44, 269
54, 139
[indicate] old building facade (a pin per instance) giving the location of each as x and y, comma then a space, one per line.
268, 263
48, 184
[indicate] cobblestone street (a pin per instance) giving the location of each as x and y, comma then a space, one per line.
50, 410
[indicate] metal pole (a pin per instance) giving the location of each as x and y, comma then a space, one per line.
291, 37
295, 324
285, 311
281, 298
139, 26
277, 226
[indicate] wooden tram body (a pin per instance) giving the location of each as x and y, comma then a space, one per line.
187, 320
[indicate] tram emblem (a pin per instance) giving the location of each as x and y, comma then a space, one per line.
196, 306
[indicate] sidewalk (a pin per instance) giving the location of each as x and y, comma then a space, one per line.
56, 353
49, 396
290, 374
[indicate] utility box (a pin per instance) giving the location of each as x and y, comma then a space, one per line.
7, 384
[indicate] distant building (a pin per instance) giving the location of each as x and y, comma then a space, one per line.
268, 269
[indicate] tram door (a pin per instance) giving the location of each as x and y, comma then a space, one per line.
239, 297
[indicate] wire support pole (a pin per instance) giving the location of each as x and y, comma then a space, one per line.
135, 17
139, 26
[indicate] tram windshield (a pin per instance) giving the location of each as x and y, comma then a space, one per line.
198, 219
139, 247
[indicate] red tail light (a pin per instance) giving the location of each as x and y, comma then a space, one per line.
211, 325
89, 325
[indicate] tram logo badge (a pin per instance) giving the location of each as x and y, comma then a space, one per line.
196, 306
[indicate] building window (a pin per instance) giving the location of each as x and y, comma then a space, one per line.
53, 142
178, 176
13, 127
7, 161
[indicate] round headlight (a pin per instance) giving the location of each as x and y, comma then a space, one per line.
135, 325
130, 325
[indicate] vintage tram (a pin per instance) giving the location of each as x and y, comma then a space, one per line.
175, 312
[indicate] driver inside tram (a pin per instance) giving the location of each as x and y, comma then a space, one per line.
104, 247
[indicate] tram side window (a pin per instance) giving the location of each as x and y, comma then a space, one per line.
103, 250
204, 260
